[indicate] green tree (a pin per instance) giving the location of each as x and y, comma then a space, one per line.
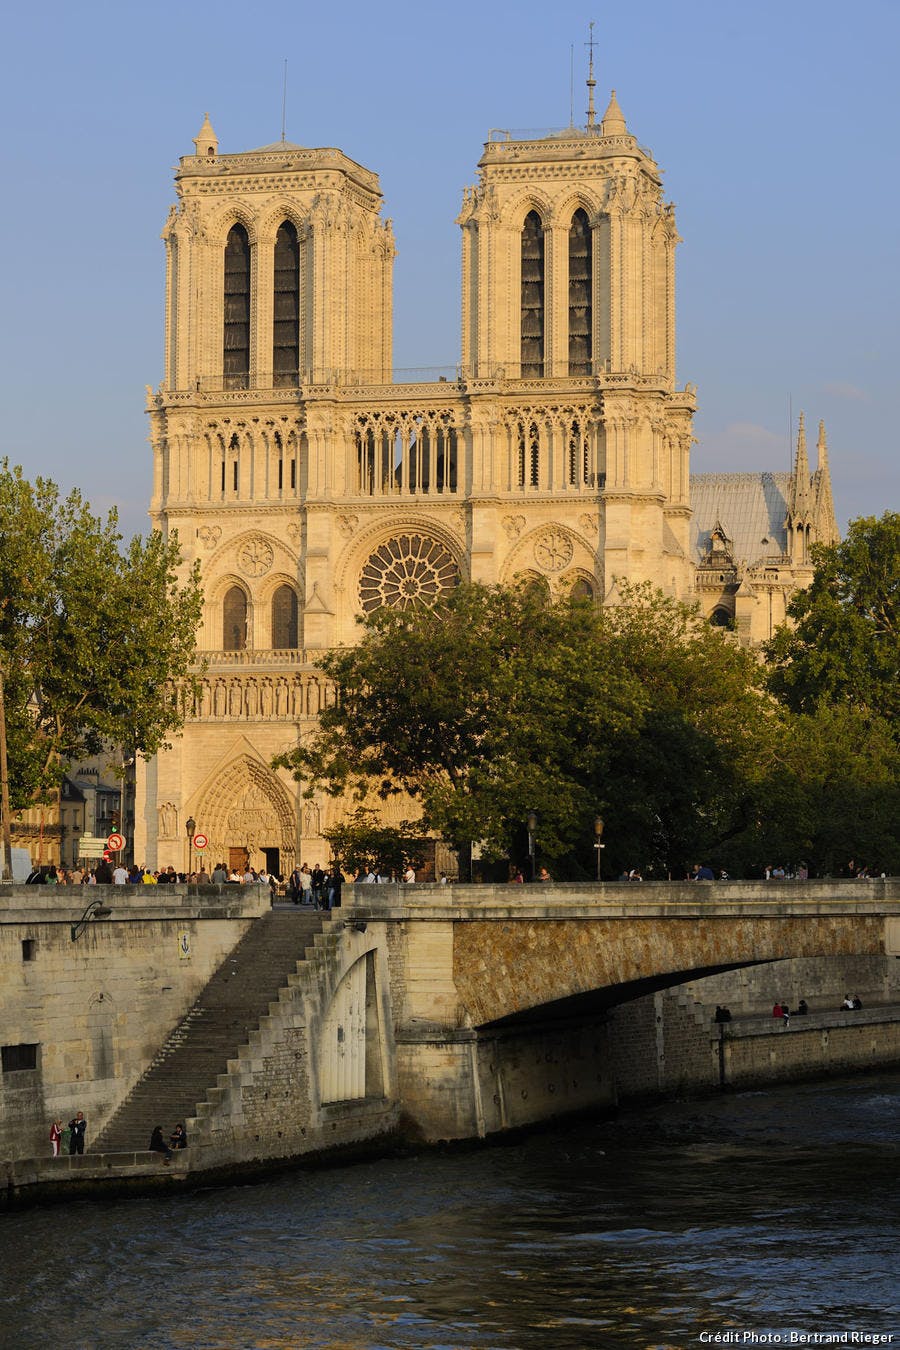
362, 841
827, 794
96, 640
495, 703
844, 643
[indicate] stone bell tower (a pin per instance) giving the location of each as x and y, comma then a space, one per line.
568, 287
278, 280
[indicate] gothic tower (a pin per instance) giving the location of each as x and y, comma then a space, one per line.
568, 289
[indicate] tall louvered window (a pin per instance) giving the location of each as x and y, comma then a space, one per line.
236, 357
532, 297
284, 618
286, 325
234, 620
580, 269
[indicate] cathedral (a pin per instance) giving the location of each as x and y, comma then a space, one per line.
313, 488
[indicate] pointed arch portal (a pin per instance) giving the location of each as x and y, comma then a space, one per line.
247, 812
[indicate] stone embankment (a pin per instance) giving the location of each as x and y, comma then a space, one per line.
282, 1036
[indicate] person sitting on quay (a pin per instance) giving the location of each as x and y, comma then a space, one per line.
701, 872
158, 1144
802, 1008
178, 1138
778, 1010
723, 1014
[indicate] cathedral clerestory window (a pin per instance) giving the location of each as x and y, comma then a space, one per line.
532, 356
234, 620
580, 272
284, 618
286, 317
236, 337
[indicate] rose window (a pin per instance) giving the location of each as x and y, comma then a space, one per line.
553, 550
407, 571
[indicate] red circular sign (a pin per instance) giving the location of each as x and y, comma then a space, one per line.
116, 842
200, 841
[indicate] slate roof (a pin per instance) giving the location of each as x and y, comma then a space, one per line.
750, 507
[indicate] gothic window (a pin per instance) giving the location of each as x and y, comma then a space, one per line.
234, 620
236, 356
580, 270
532, 297
407, 572
529, 455
534, 585
284, 618
579, 462
286, 324
582, 589
721, 617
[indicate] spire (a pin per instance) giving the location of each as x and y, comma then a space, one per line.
801, 484
206, 141
822, 450
591, 84
613, 123
826, 526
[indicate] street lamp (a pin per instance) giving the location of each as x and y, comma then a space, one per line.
190, 825
95, 910
599, 846
531, 822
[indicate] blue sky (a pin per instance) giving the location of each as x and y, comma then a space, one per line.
776, 126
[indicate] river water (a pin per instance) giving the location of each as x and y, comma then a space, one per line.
772, 1213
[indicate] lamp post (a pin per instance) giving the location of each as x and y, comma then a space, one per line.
599, 845
531, 823
6, 862
95, 910
190, 825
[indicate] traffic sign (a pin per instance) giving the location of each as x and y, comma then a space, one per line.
200, 841
116, 842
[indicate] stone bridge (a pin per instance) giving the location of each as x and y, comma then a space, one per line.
487, 979
441, 1012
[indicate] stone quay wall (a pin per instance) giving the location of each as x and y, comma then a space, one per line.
98, 1008
398, 981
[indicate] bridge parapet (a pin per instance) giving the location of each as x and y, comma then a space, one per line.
620, 900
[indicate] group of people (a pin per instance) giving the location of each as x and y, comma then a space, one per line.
780, 873
371, 876
316, 887
48, 874
852, 1003
781, 1008
68, 1138
177, 1139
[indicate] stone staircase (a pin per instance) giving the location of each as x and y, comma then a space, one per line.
219, 1024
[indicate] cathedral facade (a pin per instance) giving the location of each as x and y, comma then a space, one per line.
312, 488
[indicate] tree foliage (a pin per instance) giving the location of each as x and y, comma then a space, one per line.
496, 703
95, 639
362, 841
844, 645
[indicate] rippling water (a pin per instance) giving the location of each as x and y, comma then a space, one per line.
772, 1211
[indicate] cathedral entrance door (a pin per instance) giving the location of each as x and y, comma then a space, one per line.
273, 860
238, 859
